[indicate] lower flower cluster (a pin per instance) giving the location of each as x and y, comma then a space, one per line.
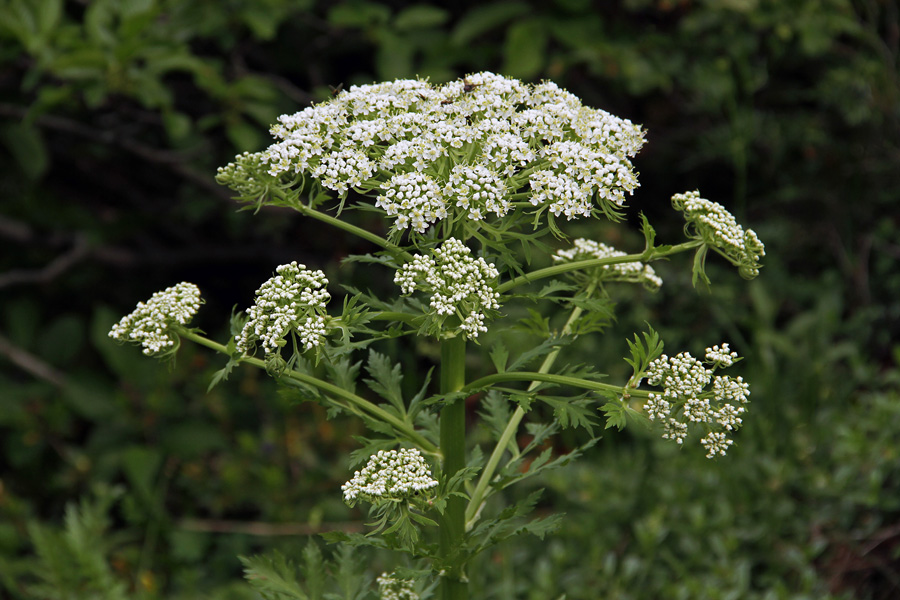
391, 587
390, 474
292, 301
686, 398
150, 323
459, 284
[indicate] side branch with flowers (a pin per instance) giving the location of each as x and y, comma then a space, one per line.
467, 173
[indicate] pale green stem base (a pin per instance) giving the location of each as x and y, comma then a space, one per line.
476, 501
453, 447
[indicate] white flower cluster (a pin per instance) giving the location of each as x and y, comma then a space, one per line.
391, 587
685, 398
292, 301
636, 272
390, 474
718, 228
459, 284
463, 147
149, 323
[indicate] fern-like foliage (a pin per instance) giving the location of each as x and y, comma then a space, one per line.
73, 563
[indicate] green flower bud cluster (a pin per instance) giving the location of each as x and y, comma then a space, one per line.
709, 222
391, 587
635, 272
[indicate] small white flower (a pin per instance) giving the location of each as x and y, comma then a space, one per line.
716, 443
149, 323
722, 357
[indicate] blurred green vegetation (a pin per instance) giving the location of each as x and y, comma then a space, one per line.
122, 478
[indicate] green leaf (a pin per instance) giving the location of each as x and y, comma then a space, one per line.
394, 57
484, 18
313, 568
643, 353
698, 272
386, 379
419, 17
571, 413
544, 348
648, 231
535, 324
222, 374
343, 373
495, 415
273, 576
525, 50
48, 16
499, 356
358, 14
615, 415
245, 136
26, 144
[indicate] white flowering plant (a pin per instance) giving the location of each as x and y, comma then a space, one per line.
476, 179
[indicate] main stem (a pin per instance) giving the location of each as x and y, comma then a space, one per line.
453, 447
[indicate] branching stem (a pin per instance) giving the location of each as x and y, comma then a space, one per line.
400, 426
648, 255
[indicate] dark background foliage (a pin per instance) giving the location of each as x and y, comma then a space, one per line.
114, 116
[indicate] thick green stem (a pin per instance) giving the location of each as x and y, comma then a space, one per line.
453, 447
358, 402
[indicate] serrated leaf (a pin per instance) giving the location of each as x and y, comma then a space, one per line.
571, 413
495, 415
523, 400
555, 286
542, 349
273, 576
615, 415
535, 324
387, 379
499, 356
541, 527
222, 374
343, 373
313, 569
